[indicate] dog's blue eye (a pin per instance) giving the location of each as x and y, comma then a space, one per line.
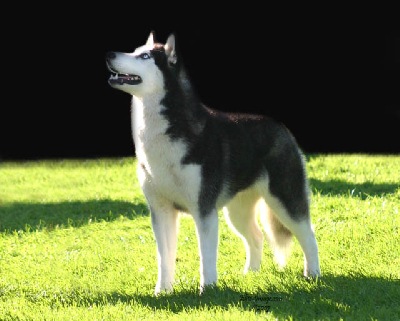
144, 55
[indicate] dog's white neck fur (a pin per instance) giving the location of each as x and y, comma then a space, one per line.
147, 123
159, 157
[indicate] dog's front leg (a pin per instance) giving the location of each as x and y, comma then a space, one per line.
207, 236
164, 222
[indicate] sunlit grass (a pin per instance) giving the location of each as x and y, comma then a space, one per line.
76, 244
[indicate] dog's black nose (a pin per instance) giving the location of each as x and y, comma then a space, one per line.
110, 55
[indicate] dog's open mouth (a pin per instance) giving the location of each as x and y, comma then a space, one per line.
120, 79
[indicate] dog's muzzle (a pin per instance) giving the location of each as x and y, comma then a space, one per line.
117, 78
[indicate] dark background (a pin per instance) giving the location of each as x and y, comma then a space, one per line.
333, 78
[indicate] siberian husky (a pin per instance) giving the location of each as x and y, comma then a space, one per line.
197, 160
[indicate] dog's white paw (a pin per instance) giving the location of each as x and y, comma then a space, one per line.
205, 287
312, 274
166, 288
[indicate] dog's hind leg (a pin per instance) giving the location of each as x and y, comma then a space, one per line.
164, 220
305, 235
280, 225
207, 236
241, 216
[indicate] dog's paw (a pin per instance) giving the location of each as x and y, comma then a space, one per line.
207, 288
312, 274
163, 289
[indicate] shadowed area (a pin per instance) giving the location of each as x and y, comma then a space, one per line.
363, 190
34, 216
330, 297
340, 296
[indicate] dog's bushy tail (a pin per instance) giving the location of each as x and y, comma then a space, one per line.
278, 236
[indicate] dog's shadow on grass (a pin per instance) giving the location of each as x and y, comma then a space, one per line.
33, 216
332, 297
343, 188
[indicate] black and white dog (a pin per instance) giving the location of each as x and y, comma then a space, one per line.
196, 160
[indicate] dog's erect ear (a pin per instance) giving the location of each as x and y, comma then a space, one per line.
150, 39
170, 49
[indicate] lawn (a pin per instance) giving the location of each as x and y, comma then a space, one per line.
76, 244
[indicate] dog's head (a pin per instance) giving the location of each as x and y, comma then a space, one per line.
142, 71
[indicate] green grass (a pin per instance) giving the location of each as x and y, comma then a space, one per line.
76, 244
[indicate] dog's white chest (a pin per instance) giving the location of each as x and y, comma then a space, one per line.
160, 160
